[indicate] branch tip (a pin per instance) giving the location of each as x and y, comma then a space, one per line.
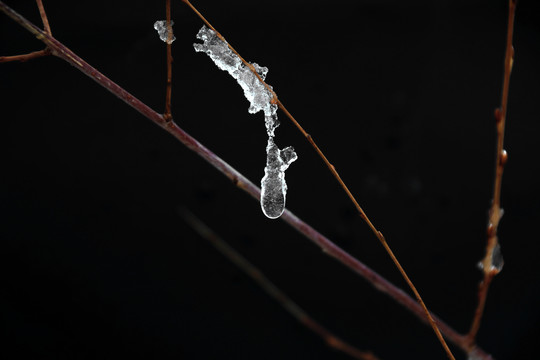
493, 262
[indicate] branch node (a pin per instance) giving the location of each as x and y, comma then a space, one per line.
503, 157
490, 230
167, 118
498, 117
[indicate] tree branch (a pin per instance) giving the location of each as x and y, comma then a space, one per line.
492, 262
44, 18
380, 283
334, 172
25, 57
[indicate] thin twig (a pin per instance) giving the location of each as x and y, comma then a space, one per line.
380, 283
334, 172
377, 233
44, 18
287, 303
25, 57
495, 213
167, 115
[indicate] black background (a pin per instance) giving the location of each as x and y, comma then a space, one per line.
96, 262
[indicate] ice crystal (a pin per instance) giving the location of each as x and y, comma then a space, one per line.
163, 31
273, 185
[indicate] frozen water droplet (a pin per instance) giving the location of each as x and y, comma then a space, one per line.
273, 193
480, 265
273, 185
163, 31
497, 261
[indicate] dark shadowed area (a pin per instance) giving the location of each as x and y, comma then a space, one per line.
96, 263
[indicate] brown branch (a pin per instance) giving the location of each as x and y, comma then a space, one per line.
377, 233
492, 262
25, 57
44, 18
334, 172
380, 283
287, 303
167, 115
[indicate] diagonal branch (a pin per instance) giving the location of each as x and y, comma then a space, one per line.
334, 172
287, 303
380, 283
492, 262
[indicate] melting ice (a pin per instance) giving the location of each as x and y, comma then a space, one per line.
273, 185
162, 29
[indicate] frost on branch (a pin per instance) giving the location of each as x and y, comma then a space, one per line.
162, 29
273, 185
496, 260
255, 91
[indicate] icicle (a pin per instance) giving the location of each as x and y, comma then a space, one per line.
273, 185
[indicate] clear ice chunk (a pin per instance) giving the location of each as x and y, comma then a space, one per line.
163, 31
496, 261
218, 50
273, 185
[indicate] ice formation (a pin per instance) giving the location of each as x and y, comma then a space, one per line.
497, 261
161, 27
273, 185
